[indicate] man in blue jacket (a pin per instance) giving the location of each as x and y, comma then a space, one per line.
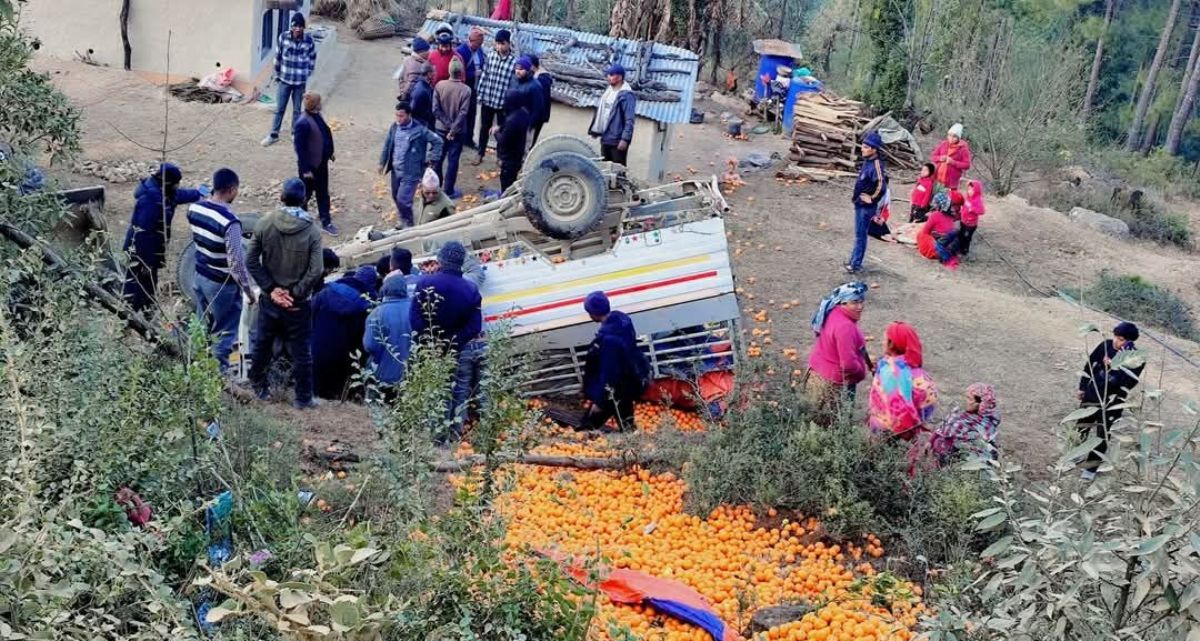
616, 371
388, 336
615, 116
448, 307
420, 97
409, 148
150, 231
474, 60
339, 316
313, 141
868, 191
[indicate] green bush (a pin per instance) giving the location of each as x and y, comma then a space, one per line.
1159, 171
1150, 220
770, 453
1134, 298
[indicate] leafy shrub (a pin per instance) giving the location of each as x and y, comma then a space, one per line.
1150, 220
1132, 297
1162, 172
770, 453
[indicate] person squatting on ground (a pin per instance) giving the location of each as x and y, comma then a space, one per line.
494, 83
313, 141
452, 109
511, 138
408, 150
286, 261
869, 189
339, 316
615, 372
937, 238
546, 80
615, 116
447, 307
431, 203
839, 361
295, 60
922, 195
155, 200
1112, 371
903, 397
968, 431
222, 279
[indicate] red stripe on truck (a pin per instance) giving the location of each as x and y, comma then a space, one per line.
632, 289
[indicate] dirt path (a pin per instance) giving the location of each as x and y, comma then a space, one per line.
979, 323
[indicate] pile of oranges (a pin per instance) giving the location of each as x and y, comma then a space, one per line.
635, 520
649, 417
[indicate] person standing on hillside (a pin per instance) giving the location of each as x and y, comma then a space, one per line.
497, 77
546, 80
313, 141
868, 192
1112, 371
474, 61
839, 361
952, 158
222, 278
295, 60
614, 118
420, 97
407, 151
412, 68
286, 261
149, 232
532, 95
615, 372
452, 108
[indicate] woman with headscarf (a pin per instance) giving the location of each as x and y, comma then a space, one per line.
951, 158
969, 430
903, 397
937, 239
838, 362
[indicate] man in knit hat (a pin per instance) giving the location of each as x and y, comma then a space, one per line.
295, 60
1112, 371
448, 307
529, 89
286, 261
615, 117
498, 75
149, 231
431, 203
222, 278
616, 371
412, 68
452, 109
546, 82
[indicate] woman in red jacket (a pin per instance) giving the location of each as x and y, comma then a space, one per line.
952, 158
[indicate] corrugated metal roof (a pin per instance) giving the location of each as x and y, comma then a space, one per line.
675, 68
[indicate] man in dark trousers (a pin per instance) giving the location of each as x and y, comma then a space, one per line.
286, 261
150, 231
511, 137
447, 306
339, 316
473, 58
1112, 370
615, 116
295, 60
313, 141
546, 81
451, 108
494, 82
530, 89
616, 371
409, 148
868, 192
421, 98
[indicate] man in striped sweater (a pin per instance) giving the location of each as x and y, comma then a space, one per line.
221, 275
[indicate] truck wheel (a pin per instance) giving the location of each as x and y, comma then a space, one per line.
565, 195
185, 273
559, 142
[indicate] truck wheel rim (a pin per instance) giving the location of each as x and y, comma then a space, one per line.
567, 196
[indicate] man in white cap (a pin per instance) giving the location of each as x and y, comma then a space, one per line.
951, 159
431, 203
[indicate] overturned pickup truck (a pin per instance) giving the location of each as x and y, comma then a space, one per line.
573, 224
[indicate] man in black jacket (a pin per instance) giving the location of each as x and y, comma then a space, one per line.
314, 151
511, 137
1112, 370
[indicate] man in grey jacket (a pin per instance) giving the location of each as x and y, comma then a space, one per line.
285, 259
408, 149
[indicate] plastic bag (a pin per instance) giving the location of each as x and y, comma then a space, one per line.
219, 80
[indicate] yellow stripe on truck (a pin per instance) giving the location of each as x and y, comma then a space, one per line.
592, 280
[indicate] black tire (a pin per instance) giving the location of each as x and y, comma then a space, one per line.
557, 143
185, 268
565, 195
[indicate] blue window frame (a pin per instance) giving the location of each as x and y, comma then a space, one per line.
267, 43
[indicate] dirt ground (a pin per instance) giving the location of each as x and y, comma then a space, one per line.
980, 323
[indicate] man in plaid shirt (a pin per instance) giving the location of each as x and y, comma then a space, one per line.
295, 59
498, 73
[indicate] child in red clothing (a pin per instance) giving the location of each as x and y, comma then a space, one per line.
972, 209
922, 194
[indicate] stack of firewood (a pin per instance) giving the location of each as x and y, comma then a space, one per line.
825, 132
899, 154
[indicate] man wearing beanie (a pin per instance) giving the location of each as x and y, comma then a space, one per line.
286, 261
530, 91
295, 60
511, 137
1112, 371
150, 231
408, 150
413, 67
615, 116
452, 109
447, 307
442, 55
616, 372
546, 81
221, 275
494, 83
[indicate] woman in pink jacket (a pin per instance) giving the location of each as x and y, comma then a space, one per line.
952, 158
838, 362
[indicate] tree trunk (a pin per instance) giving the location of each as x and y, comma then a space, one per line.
1151, 137
1187, 98
125, 34
1085, 110
1143, 105
571, 14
